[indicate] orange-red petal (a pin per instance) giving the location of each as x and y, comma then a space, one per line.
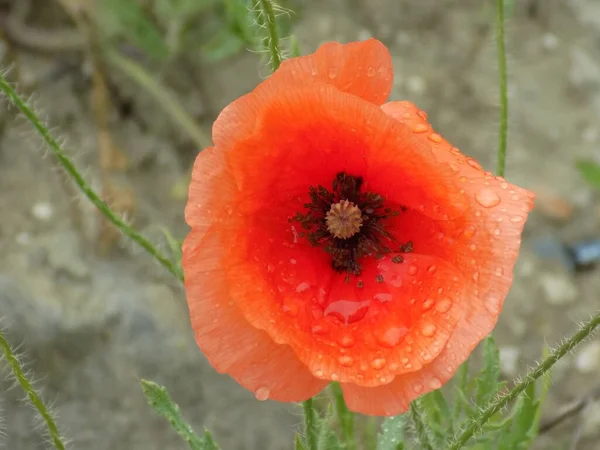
361, 68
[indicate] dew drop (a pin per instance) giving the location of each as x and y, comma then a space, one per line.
319, 372
317, 329
499, 271
347, 340
497, 232
371, 72
422, 115
455, 151
420, 128
229, 209
454, 167
504, 185
390, 337
469, 231
487, 198
290, 307
383, 297
443, 305
378, 363
347, 311
431, 269
427, 304
434, 383
473, 247
417, 388
412, 269
492, 304
314, 71
334, 376
428, 329
303, 287
346, 360
262, 393
434, 137
516, 219
332, 73
407, 115
473, 163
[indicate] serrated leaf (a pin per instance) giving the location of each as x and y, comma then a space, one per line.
436, 414
391, 436
162, 404
299, 443
520, 435
488, 379
590, 172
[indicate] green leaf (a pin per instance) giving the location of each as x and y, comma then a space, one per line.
174, 246
294, 47
436, 415
126, 19
327, 438
344, 415
522, 432
391, 436
590, 172
160, 401
299, 445
488, 379
223, 44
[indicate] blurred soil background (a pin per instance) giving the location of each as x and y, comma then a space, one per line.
91, 313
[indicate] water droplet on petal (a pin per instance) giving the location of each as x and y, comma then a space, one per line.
473, 163
334, 376
391, 336
347, 340
332, 73
499, 271
262, 393
497, 232
290, 307
346, 360
319, 372
417, 388
487, 198
347, 311
371, 72
229, 209
420, 128
378, 363
516, 219
302, 287
434, 383
492, 304
431, 269
427, 304
383, 297
412, 269
454, 167
469, 231
428, 329
443, 305
434, 137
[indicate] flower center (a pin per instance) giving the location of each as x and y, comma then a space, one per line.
349, 224
344, 219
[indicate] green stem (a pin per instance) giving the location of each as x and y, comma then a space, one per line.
33, 396
310, 424
169, 104
70, 168
345, 416
502, 400
501, 48
420, 428
268, 21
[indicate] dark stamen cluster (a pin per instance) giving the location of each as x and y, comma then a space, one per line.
347, 246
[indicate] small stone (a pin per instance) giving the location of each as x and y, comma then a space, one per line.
415, 84
591, 420
587, 359
509, 359
558, 288
550, 41
42, 211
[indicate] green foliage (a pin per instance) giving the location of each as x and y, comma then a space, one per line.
434, 422
391, 436
164, 29
590, 172
161, 402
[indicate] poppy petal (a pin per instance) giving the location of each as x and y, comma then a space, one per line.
360, 68
227, 340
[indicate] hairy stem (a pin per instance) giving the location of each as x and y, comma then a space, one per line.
72, 171
310, 424
345, 417
501, 401
33, 396
501, 49
417, 420
266, 19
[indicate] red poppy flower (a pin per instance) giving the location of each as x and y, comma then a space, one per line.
334, 237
